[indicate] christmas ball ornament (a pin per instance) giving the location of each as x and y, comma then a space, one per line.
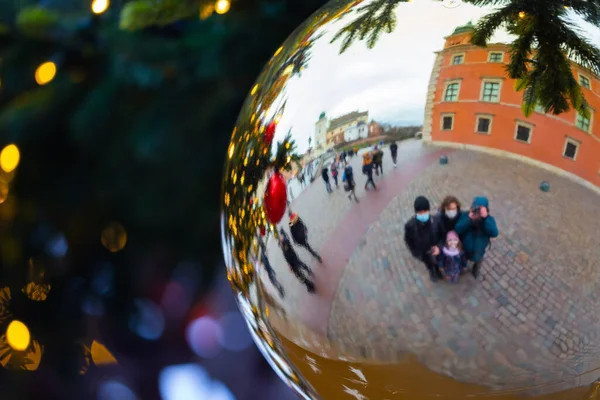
270, 133
360, 297
275, 198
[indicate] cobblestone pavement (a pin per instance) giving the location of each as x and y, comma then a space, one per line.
528, 322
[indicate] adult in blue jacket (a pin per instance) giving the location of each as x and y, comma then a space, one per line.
475, 229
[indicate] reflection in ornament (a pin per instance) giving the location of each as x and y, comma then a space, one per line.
354, 393
451, 3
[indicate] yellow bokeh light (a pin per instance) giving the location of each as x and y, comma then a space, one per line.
9, 158
45, 73
101, 355
522, 14
18, 336
114, 237
100, 6
207, 11
222, 6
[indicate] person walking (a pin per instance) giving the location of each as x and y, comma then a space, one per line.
421, 237
368, 169
334, 173
268, 268
394, 152
378, 161
350, 185
325, 175
298, 268
476, 227
299, 233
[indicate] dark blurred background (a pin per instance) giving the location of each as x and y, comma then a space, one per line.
121, 114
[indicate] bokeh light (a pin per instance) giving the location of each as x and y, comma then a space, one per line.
101, 355
18, 336
100, 6
114, 237
45, 73
115, 390
191, 382
222, 6
202, 337
9, 158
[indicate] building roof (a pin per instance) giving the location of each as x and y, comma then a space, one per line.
322, 115
346, 118
469, 27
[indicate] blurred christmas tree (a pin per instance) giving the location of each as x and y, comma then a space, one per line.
123, 112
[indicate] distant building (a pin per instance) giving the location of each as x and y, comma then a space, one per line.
338, 126
321, 134
472, 103
375, 129
356, 131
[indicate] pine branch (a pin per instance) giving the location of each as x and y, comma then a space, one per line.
374, 18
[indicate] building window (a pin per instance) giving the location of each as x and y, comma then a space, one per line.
496, 57
458, 59
451, 92
490, 91
571, 148
583, 123
584, 81
483, 124
447, 122
523, 132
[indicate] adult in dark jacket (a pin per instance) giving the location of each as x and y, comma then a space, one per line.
447, 217
378, 160
299, 233
475, 228
301, 270
325, 175
394, 151
421, 237
267, 265
350, 185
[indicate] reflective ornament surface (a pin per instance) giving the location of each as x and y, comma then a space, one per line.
417, 257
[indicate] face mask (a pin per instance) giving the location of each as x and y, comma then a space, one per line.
423, 217
451, 213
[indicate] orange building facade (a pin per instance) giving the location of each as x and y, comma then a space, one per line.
471, 103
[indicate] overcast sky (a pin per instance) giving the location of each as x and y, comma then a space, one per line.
390, 80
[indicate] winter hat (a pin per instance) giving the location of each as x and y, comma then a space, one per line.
451, 235
421, 204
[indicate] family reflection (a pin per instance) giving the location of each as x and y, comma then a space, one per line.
446, 241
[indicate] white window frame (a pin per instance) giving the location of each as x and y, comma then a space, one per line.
455, 55
496, 52
525, 125
490, 80
446, 85
577, 143
589, 130
588, 80
487, 116
442, 115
